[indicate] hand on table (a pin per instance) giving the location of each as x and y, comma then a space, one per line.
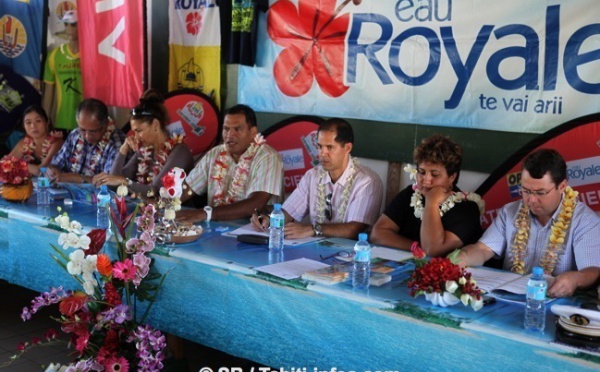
259, 223
296, 230
191, 215
564, 285
108, 179
53, 174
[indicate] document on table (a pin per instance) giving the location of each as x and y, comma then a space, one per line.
248, 229
390, 254
291, 269
504, 285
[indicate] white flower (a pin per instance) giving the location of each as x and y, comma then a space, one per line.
75, 227
451, 286
412, 171
259, 139
68, 240
122, 190
464, 298
477, 304
462, 280
88, 286
83, 242
75, 265
62, 221
170, 214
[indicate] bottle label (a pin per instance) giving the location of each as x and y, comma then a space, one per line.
43, 182
276, 221
536, 293
362, 256
103, 202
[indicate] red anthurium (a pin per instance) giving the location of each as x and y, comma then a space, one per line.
97, 239
70, 305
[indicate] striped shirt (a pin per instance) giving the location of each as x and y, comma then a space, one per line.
266, 173
581, 250
364, 203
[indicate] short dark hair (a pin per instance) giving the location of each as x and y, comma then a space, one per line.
151, 107
543, 161
94, 107
440, 149
246, 110
343, 130
38, 110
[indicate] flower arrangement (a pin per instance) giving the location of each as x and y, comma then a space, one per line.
102, 319
13, 170
442, 281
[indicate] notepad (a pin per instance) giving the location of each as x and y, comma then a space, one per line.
504, 285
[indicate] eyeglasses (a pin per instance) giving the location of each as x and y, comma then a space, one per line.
328, 211
537, 193
340, 254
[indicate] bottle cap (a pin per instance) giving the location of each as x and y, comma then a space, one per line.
538, 271
103, 188
43, 169
277, 206
362, 237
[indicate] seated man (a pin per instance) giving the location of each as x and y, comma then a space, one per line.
433, 212
91, 148
549, 227
239, 176
341, 197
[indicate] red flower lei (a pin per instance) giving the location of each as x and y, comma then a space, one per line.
150, 164
29, 146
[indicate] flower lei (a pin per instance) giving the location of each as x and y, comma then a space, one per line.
345, 194
29, 146
77, 157
416, 200
150, 163
237, 187
557, 238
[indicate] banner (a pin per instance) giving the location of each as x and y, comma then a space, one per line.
112, 50
21, 36
519, 66
195, 47
578, 141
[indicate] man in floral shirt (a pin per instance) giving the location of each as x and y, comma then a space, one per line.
89, 149
238, 176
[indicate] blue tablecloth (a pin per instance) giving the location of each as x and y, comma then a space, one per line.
214, 296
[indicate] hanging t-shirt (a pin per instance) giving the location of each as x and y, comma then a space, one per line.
244, 24
63, 68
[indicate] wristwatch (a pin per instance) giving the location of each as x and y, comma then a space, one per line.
208, 210
318, 229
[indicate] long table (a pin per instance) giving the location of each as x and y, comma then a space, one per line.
214, 296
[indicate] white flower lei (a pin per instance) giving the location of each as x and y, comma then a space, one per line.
345, 194
416, 200
237, 187
76, 159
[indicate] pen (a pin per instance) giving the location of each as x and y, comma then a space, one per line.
258, 215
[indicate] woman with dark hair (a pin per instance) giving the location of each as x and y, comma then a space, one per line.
147, 155
40, 142
433, 212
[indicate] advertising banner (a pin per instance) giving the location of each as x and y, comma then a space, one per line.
517, 66
195, 47
21, 25
578, 141
112, 51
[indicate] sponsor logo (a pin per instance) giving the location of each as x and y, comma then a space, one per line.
514, 182
584, 171
292, 159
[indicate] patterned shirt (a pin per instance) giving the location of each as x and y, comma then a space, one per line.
581, 250
265, 173
64, 157
364, 202
63, 70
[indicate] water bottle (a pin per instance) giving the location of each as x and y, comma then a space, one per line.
43, 183
361, 270
103, 202
535, 308
277, 220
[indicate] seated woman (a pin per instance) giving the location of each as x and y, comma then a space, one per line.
433, 212
40, 142
145, 157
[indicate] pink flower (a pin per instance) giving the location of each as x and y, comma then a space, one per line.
124, 270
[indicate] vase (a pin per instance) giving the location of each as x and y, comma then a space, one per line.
17, 193
442, 299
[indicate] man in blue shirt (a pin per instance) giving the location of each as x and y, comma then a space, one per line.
90, 149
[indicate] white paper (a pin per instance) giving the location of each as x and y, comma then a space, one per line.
390, 254
291, 269
490, 280
248, 229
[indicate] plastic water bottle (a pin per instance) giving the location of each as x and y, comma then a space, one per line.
43, 183
362, 263
103, 222
277, 220
535, 308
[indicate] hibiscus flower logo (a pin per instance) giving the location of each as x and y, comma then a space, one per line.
313, 37
193, 23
